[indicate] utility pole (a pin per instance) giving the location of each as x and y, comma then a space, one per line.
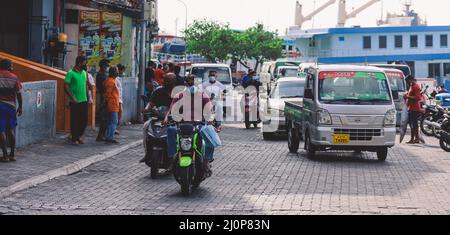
142, 59
185, 28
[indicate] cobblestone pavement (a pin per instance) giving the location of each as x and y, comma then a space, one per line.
51, 154
252, 176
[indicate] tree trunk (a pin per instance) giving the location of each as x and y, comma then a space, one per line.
258, 62
242, 63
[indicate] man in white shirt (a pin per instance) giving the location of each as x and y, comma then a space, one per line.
118, 80
215, 90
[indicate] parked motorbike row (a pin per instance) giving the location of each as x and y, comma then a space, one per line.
436, 122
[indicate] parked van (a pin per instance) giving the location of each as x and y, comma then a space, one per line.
344, 107
201, 71
398, 86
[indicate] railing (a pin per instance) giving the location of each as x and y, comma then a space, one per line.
191, 58
370, 52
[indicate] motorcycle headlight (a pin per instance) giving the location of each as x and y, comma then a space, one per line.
324, 117
390, 118
186, 144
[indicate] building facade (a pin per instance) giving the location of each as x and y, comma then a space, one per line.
424, 48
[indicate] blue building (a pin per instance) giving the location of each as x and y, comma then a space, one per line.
424, 48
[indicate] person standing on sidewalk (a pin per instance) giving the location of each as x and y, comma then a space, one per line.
11, 89
102, 113
112, 101
76, 87
119, 80
413, 98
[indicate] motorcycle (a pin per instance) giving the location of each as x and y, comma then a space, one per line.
156, 143
190, 163
444, 141
431, 120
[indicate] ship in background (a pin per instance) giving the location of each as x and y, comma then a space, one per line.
399, 38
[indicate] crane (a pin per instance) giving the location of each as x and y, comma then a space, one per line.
300, 19
343, 16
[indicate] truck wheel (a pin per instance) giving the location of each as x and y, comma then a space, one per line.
382, 154
293, 140
310, 148
268, 136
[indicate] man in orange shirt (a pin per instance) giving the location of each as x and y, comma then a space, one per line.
112, 100
159, 75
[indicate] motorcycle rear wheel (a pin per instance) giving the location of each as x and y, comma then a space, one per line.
155, 163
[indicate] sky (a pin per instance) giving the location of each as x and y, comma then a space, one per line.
278, 15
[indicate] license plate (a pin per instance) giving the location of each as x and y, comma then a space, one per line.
341, 139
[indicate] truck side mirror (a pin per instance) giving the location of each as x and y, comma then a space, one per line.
308, 94
395, 95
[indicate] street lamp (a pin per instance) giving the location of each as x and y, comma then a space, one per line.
185, 28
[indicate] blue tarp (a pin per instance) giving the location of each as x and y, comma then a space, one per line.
447, 85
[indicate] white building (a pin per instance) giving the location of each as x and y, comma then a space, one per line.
424, 48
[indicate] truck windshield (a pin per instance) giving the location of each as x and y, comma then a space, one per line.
288, 72
285, 90
223, 74
353, 88
397, 81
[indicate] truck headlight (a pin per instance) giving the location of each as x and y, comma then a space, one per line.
390, 118
186, 144
324, 117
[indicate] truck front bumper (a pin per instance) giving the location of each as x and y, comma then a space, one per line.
361, 138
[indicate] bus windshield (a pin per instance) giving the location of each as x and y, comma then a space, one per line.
223, 74
397, 81
354, 88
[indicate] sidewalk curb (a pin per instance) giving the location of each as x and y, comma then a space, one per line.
65, 170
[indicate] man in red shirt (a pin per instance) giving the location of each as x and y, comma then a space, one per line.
10, 90
413, 98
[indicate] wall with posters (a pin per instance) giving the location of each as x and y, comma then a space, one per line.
89, 36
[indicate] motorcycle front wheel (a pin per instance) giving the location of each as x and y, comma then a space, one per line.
426, 129
444, 145
185, 181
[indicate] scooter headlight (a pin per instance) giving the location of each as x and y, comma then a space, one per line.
186, 144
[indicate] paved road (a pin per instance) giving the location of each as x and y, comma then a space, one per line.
252, 176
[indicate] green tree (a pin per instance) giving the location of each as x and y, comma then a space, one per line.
258, 44
210, 39
218, 42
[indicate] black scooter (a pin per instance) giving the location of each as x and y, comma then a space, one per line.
156, 143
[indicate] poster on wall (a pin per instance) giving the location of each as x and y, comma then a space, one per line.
90, 36
111, 37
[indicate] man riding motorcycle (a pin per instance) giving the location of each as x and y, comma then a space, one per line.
215, 89
185, 107
161, 98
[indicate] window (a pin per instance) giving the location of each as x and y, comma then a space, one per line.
444, 40
383, 42
284, 47
446, 69
398, 41
312, 42
367, 42
290, 48
434, 70
429, 40
341, 39
414, 41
